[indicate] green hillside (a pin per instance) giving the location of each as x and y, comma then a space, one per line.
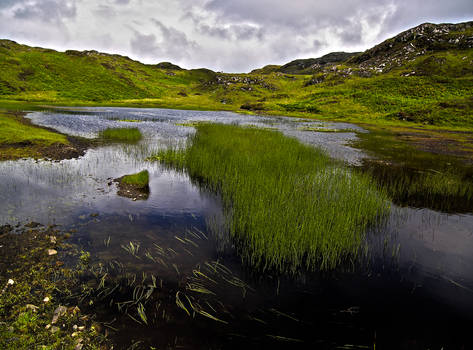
422, 76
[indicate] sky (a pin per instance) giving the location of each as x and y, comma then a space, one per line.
223, 35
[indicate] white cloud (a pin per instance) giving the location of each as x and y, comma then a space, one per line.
230, 35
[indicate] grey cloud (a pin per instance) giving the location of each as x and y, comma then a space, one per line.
105, 11
7, 3
414, 12
232, 32
171, 43
45, 10
122, 2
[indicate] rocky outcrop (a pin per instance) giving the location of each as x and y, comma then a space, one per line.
417, 41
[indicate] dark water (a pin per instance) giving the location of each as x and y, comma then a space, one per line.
414, 290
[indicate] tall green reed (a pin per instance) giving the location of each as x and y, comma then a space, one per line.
289, 205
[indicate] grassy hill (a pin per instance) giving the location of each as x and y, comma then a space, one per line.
422, 76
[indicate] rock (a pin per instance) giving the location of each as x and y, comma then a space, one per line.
53, 239
10, 282
59, 312
33, 224
52, 252
5, 229
46, 300
32, 307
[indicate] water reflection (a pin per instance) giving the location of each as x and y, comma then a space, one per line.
418, 279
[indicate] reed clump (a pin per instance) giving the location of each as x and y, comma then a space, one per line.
289, 205
121, 134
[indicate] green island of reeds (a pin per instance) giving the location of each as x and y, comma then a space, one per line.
288, 205
138, 180
121, 134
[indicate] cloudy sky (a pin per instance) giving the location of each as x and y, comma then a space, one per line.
224, 35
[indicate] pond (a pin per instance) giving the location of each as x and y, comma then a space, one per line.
412, 290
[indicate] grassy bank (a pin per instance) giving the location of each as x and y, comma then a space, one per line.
18, 138
288, 205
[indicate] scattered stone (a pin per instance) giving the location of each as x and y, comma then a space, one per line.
52, 252
5, 229
10, 282
53, 239
32, 307
33, 224
59, 312
79, 345
46, 300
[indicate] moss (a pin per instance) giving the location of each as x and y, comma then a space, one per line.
35, 285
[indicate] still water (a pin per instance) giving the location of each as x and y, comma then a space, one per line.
413, 291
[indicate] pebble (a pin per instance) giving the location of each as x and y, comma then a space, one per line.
52, 252
46, 299
32, 307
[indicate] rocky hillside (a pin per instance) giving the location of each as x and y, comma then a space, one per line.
309, 65
395, 52
423, 75
421, 40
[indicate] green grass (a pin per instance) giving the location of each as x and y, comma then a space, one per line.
288, 205
13, 131
438, 95
139, 180
18, 139
121, 134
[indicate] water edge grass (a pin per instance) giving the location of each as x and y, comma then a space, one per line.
288, 205
121, 134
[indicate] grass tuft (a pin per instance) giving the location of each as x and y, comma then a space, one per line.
121, 134
289, 205
139, 180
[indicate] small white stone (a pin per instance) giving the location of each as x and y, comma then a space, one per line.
46, 299
52, 252
11, 282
